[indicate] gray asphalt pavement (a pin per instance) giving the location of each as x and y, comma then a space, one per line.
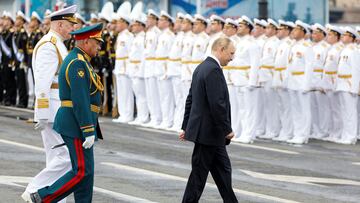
136, 164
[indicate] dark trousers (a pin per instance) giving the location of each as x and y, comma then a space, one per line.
21, 86
1, 84
216, 160
79, 180
9, 85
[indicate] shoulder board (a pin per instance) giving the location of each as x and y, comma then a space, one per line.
12, 30
22, 30
38, 30
53, 40
81, 57
307, 44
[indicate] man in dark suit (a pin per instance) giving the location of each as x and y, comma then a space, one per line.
207, 123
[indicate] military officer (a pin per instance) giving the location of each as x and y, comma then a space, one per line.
8, 75
151, 81
259, 31
20, 39
166, 39
70, 43
279, 82
348, 86
174, 70
329, 83
320, 114
80, 93
216, 28
45, 26
48, 55
125, 95
300, 69
112, 55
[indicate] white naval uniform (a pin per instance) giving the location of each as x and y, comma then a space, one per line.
329, 85
125, 96
348, 90
136, 73
167, 101
268, 100
300, 69
320, 114
174, 74
151, 80
212, 39
201, 41
244, 74
48, 55
280, 78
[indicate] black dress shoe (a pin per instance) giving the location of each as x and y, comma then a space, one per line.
7, 104
21, 106
35, 197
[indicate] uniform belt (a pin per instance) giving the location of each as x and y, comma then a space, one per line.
161, 59
330, 72
30, 51
122, 58
280, 68
344, 76
318, 70
236, 67
195, 62
175, 60
112, 55
298, 73
150, 58
267, 67
135, 62
54, 86
101, 53
68, 103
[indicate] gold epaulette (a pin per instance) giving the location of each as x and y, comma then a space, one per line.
81, 57
53, 40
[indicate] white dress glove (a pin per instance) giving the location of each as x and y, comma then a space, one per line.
41, 124
89, 142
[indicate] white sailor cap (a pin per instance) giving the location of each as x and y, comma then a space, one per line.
153, 13
64, 14
334, 28
217, 18
262, 23
189, 18
272, 22
317, 26
304, 26
290, 24
47, 13
79, 17
352, 31
140, 18
20, 14
180, 15
246, 20
165, 14
35, 15
8, 16
124, 12
286, 24
231, 22
357, 28
201, 18
93, 16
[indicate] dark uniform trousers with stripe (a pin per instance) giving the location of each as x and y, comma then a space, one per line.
80, 94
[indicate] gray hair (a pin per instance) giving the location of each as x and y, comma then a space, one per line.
222, 42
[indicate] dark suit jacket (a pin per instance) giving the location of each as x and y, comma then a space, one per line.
207, 112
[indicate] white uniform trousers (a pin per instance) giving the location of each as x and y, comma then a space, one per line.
236, 97
185, 84
125, 98
153, 100
30, 82
178, 98
348, 109
335, 123
320, 114
57, 161
251, 108
167, 102
358, 109
138, 85
270, 112
301, 113
285, 115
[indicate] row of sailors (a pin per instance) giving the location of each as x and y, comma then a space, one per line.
282, 86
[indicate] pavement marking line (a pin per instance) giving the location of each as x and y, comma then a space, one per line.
22, 145
13, 180
265, 148
177, 178
156, 130
356, 163
17, 109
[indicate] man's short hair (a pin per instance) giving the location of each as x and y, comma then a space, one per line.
221, 42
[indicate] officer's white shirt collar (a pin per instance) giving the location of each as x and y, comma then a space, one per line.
214, 57
57, 35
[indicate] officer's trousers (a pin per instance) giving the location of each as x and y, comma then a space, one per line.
177, 90
348, 109
125, 98
320, 114
21, 86
167, 102
301, 113
251, 119
285, 115
153, 99
141, 102
269, 102
57, 161
9, 85
236, 97
335, 123
79, 180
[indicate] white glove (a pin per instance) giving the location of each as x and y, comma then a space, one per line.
89, 142
41, 124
